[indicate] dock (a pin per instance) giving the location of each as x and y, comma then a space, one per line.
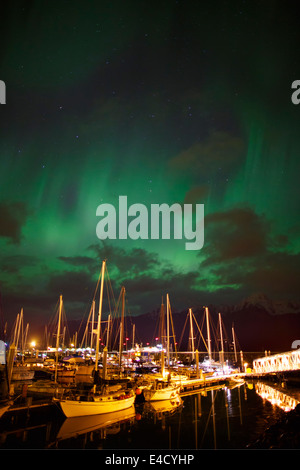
39, 395
207, 382
29, 405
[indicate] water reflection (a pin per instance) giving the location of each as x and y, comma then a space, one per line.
162, 407
212, 411
218, 418
276, 397
74, 427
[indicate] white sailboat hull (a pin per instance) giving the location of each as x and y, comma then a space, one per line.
167, 393
100, 405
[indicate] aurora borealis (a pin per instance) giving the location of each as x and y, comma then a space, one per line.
167, 102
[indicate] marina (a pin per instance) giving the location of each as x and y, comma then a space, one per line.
149, 229
219, 417
71, 396
211, 411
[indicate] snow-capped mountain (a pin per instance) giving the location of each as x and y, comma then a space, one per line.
273, 307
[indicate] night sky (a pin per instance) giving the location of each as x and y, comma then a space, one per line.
164, 102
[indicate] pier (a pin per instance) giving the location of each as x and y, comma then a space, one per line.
202, 383
288, 361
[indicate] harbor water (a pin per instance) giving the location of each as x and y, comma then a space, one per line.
219, 418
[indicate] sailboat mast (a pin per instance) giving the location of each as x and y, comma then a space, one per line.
208, 333
191, 333
99, 315
133, 335
93, 321
168, 332
15, 330
75, 341
63, 338
162, 336
19, 328
162, 329
25, 341
57, 336
221, 337
234, 345
46, 337
108, 331
122, 327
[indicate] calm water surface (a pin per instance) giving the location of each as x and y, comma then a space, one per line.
216, 419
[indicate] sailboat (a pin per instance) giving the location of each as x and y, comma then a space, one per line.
5, 401
97, 403
162, 387
161, 390
19, 370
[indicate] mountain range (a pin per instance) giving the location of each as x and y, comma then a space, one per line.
259, 323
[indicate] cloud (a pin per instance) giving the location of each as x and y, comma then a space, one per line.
242, 253
219, 150
196, 194
13, 216
145, 276
80, 262
74, 286
12, 264
135, 260
235, 233
276, 274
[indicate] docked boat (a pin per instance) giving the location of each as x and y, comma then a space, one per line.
160, 390
17, 369
66, 372
97, 403
85, 369
21, 372
79, 366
